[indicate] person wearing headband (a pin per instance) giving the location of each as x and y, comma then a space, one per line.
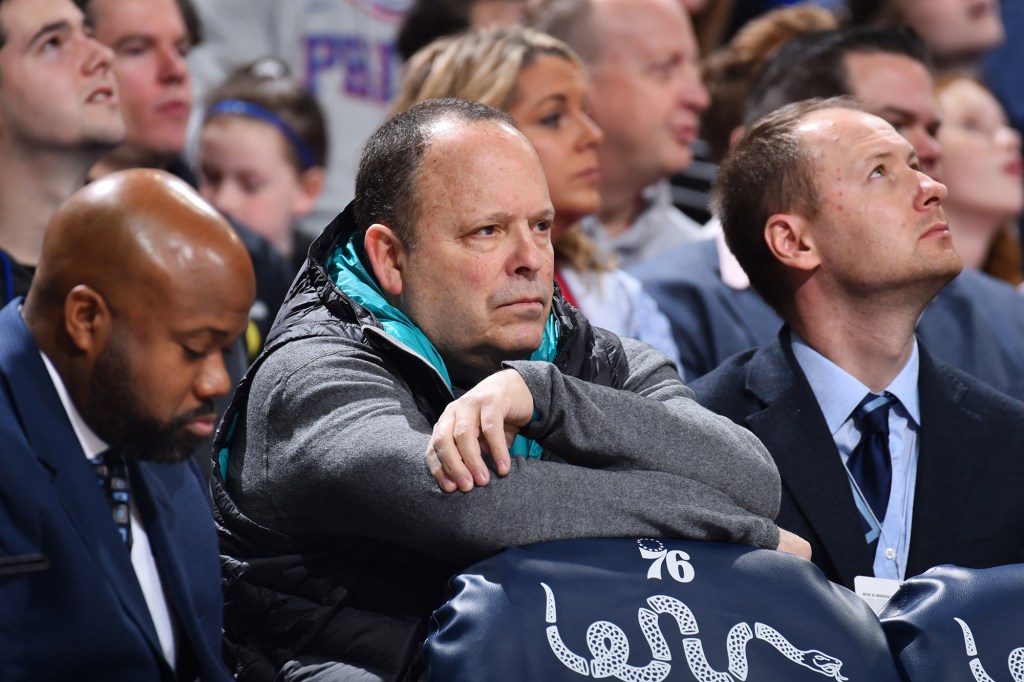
262, 153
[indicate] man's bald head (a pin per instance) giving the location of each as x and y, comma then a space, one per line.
132, 234
140, 288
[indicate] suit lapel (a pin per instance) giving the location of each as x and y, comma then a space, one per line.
53, 440
162, 521
793, 429
944, 469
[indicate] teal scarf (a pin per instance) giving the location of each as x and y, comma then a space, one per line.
347, 271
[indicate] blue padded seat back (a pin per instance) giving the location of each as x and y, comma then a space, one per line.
651, 610
957, 624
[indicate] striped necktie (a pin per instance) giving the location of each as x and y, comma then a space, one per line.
870, 462
112, 477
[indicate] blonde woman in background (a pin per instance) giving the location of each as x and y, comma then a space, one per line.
982, 168
541, 83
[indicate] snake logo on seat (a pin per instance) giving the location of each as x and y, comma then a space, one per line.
609, 647
1015, 661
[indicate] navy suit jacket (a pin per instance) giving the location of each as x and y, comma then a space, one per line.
968, 506
710, 320
85, 617
976, 323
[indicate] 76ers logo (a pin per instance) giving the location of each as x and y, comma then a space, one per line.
676, 562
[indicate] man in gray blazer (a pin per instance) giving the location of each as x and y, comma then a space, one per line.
891, 461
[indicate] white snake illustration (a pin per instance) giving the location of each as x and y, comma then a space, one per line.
609, 647
1015, 661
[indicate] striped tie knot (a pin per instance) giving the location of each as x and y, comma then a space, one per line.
872, 414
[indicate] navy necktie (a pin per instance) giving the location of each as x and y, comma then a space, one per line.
870, 462
112, 477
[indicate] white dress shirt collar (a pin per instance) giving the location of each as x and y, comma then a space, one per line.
92, 444
838, 392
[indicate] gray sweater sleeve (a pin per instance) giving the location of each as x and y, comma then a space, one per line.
653, 424
334, 445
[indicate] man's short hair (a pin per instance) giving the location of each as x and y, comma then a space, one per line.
768, 171
386, 182
814, 64
189, 15
874, 11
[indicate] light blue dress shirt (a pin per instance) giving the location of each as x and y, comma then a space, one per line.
838, 394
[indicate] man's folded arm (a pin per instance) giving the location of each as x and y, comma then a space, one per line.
653, 423
343, 452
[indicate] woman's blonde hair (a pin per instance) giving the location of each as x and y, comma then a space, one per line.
483, 66
480, 65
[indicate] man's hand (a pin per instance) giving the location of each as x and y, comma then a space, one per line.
484, 421
794, 544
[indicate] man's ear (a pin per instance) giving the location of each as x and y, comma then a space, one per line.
387, 257
87, 319
790, 241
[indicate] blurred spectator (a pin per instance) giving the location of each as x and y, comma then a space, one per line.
973, 324
728, 71
886, 68
647, 98
342, 50
262, 151
957, 33
1004, 64
496, 13
700, 286
57, 117
742, 12
150, 39
983, 171
541, 83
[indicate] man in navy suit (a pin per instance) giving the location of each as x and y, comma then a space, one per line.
108, 370
891, 461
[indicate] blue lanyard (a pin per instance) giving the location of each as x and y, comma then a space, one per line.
8, 278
